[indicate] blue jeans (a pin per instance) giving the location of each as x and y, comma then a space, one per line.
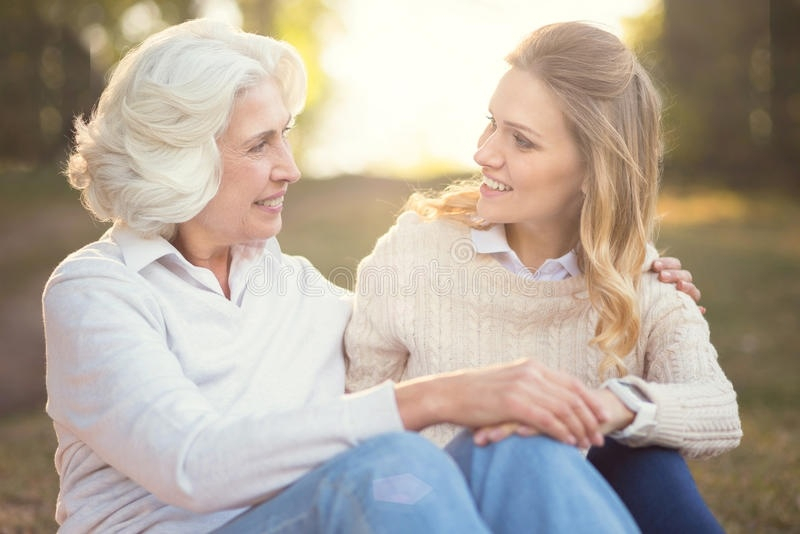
657, 487
402, 483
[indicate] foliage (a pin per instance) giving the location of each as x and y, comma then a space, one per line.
728, 71
63, 51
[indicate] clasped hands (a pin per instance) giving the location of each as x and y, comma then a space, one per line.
537, 400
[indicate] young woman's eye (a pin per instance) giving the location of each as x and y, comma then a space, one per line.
492, 123
522, 142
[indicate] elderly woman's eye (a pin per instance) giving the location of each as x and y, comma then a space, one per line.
258, 148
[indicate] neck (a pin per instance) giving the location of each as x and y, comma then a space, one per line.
216, 259
534, 244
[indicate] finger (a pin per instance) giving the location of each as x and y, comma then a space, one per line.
681, 275
544, 420
572, 386
671, 277
574, 407
501, 432
526, 431
667, 262
551, 392
690, 289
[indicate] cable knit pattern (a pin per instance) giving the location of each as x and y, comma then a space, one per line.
426, 303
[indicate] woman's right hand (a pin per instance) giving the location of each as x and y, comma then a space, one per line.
522, 393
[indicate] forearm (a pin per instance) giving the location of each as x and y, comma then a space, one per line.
423, 402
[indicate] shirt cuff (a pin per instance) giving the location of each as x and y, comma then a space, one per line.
641, 428
373, 411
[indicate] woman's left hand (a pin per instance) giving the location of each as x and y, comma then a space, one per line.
669, 270
619, 416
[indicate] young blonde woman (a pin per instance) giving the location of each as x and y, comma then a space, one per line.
546, 258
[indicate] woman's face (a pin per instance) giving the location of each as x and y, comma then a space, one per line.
257, 167
530, 161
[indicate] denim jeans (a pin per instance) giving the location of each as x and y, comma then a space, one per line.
402, 483
657, 487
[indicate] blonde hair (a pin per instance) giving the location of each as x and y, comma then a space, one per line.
614, 113
148, 158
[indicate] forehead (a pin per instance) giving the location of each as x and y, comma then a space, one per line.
522, 97
256, 109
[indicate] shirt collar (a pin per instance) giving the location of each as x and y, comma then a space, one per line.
139, 252
493, 241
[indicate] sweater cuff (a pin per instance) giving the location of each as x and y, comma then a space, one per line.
670, 415
373, 411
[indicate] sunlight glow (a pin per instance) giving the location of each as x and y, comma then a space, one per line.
412, 78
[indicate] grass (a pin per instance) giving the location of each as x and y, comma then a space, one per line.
744, 252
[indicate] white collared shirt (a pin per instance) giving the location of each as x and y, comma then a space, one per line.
493, 241
167, 397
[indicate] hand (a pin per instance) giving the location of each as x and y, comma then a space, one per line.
523, 393
669, 270
619, 416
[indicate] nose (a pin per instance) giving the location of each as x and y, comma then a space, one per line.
285, 168
488, 153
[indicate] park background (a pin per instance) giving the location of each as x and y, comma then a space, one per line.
397, 96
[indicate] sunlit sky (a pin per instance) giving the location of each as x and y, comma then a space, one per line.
412, 78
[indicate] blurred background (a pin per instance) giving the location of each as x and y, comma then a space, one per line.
398, 94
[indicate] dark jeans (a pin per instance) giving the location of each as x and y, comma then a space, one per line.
657, 487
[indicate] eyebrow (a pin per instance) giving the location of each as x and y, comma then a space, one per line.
266, 134
522, 127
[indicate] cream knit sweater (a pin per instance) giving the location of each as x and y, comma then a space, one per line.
426, 303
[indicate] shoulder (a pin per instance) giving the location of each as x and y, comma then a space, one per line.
102, 258
414, 232
659, 300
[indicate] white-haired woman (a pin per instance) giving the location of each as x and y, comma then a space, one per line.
544, 258
195, 374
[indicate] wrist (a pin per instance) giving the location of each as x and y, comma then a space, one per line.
619, 415
422, 402
636, 402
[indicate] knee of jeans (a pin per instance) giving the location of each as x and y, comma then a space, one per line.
534, 447
402, 460
398, 448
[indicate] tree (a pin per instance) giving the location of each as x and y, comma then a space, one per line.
54, 57
785, 96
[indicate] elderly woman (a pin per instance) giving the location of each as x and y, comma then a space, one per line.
195, 374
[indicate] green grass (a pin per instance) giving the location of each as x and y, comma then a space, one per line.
743, 251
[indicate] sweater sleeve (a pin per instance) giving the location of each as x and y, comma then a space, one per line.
374, 349
115, 387
697, 412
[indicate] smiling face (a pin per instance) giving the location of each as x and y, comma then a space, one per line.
530, 161
257, 167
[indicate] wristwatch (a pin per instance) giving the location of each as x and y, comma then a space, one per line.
637, 402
